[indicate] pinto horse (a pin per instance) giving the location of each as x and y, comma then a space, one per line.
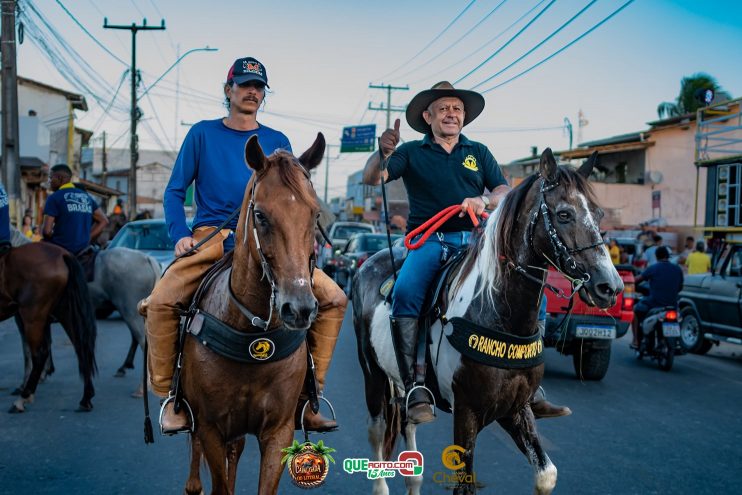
549, 219
37, 282
271, 269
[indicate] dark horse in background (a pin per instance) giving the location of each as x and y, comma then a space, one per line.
38, 282
271, 268
549, 219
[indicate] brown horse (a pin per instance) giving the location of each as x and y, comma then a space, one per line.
270, 270
551, 218
38, 282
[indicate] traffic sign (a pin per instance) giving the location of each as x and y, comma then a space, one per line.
358, 138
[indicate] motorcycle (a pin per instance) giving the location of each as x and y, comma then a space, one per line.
661, 336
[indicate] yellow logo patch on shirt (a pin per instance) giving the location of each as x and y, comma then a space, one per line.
471, 163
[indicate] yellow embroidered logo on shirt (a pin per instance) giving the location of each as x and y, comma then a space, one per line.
471, 163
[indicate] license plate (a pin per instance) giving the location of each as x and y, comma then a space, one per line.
671, 329
595, 332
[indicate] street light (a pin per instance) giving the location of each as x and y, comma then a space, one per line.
205, 49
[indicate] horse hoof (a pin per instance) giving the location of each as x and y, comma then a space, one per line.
137, 394
16, 392
84, 408
120, 373
17, 407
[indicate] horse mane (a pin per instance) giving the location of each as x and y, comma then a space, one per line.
293, 174
497, 242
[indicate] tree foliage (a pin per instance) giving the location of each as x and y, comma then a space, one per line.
687, 101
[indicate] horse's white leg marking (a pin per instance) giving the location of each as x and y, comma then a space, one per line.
376, 430
546, 478
381, 341
413, 483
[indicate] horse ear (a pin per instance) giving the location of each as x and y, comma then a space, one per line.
587, 167
548, 166
254, 156
313, 156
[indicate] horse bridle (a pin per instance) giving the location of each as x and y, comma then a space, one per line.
564, 262
255, 320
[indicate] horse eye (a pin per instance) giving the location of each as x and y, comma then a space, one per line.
564, 215
262, 219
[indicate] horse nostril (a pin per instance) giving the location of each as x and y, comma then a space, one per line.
287, 313
607, 290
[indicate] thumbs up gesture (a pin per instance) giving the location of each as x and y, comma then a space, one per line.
389, 139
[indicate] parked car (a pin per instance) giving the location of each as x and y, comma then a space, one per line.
710, 303
587, 333
150, 236
343, 266
340, 233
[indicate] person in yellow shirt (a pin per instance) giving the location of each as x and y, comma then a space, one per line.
698, 261
615, 252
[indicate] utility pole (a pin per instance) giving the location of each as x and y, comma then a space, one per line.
104, 161
568, 128
327, 166
135, 112
389, 109
10, 162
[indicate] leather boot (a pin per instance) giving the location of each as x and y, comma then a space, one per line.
321, 339
542, 408
172, 422
404, 338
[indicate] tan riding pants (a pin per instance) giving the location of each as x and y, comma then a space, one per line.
174, 291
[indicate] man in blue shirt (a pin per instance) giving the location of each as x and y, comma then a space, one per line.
72, 218
212, 157
4, 221
665, 283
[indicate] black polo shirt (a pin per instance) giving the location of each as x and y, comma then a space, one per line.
435, 179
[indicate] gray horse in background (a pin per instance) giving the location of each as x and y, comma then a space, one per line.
123, 277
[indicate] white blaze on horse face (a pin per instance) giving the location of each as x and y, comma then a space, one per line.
603, 259
300, 282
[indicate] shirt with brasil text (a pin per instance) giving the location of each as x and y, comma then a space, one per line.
72, 209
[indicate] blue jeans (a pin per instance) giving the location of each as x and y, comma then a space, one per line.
418, 272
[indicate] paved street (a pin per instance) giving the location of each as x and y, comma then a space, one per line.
639, 431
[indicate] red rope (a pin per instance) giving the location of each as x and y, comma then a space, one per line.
434, 224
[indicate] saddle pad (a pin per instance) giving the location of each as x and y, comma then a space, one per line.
253, 348
495, 348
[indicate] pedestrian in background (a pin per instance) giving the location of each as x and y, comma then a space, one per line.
698, 261
27, 226
615, 252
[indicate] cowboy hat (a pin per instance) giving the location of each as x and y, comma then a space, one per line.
473, 104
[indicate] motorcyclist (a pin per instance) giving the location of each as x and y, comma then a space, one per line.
665, 283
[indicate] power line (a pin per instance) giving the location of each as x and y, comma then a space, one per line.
106, 110
481, 47
578, 14
548, 6
90, 35
432, 41
431, 59
561, 49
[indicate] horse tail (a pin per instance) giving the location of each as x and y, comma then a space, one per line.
76, 313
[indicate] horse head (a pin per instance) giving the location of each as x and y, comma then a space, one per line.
277, 224
570, 239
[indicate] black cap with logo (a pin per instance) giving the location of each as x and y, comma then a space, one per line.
247, 69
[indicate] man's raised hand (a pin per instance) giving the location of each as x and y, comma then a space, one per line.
389, 139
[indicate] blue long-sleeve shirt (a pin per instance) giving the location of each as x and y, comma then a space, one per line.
214, 156
4, 216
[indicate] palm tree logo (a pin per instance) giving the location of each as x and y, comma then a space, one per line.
308, 463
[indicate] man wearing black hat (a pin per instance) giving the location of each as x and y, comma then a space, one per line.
213, 158
442, 169
72, 218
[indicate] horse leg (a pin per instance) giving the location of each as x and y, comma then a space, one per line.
215, 451
413, 483
129, 361
234, 452
465, 430
37, 343
193, 485
522, 428
271, 468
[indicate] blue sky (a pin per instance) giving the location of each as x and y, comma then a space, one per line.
321, 56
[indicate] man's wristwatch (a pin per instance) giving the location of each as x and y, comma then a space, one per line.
485, 199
